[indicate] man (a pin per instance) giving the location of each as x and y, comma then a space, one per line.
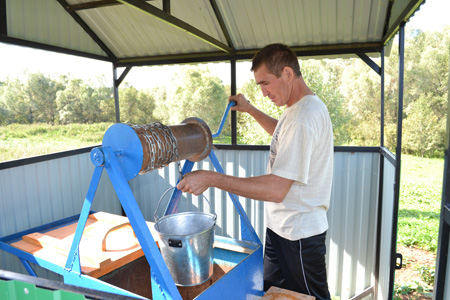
297, 186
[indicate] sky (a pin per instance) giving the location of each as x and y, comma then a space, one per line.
432, 16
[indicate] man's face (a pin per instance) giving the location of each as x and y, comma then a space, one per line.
273, 87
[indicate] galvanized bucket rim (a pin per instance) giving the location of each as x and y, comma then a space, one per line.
155, 215
212, 215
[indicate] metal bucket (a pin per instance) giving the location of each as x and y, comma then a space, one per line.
186, 244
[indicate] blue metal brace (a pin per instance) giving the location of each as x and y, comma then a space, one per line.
163, 285
248, 233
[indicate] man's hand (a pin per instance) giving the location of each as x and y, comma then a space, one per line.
242, 104
196, 182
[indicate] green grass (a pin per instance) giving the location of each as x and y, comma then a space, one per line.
420, 202
20, 141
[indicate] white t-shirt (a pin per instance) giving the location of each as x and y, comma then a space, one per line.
302, 150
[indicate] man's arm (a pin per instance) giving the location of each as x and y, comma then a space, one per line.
264, 120
270, 187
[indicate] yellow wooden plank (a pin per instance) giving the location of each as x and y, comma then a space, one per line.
234, 248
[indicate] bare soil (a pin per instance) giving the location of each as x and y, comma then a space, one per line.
413, 259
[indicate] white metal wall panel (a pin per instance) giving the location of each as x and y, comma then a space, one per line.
352, 223
386, 229
46, 21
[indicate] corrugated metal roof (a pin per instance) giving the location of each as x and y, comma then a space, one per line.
136, 32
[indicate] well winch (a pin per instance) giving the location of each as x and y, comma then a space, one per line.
126, 151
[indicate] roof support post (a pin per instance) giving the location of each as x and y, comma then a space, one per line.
116, 94
382, 100
444, 224
166, 6
233, 112
380, 185
116, 83
398, 153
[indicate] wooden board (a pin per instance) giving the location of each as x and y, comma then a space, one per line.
276, 293
122, 247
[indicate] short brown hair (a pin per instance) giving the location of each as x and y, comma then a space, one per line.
276, 57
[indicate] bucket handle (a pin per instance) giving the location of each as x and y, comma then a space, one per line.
162, 197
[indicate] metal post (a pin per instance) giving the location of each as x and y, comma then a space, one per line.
398, 153
382, 100
116, 94
380, 186
233, 113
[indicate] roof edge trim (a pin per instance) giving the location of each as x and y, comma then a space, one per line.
46, 47
319, 50
410, 9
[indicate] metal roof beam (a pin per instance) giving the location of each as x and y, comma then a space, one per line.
335, 49
88, 30
219, 17
122, 76
369, 62
46, 47
177, 23
95, 4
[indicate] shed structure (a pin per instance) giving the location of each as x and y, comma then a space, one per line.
361, 240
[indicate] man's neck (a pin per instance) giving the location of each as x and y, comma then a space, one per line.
299, 90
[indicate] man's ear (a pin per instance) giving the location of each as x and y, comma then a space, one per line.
289, 73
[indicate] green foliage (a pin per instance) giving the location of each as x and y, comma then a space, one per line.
137, 107
410, 288
426, 93
193, 92
427, 274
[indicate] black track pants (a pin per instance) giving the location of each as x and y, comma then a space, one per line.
296, 265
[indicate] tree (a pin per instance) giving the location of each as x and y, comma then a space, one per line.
423, 129
426, 92
41, 95
14, 102
193, 92
105, 98
70, 102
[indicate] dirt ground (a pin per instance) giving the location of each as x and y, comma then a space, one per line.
412, 260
